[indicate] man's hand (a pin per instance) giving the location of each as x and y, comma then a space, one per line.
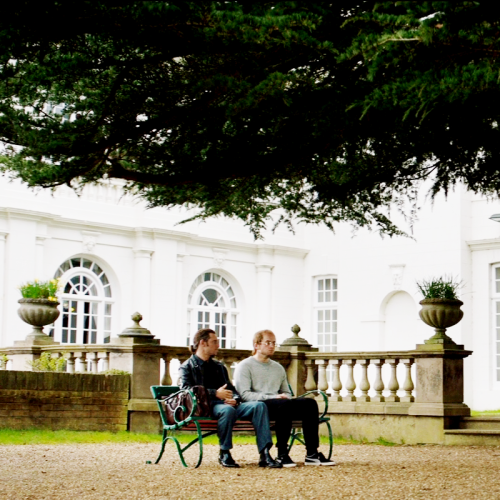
230, 402
282, 396
223, 393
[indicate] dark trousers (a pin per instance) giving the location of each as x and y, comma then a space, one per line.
285, 411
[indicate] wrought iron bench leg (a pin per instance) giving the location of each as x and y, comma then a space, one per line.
330, 437
163, 442
199, 440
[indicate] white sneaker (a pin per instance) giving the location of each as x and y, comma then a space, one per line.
318, 459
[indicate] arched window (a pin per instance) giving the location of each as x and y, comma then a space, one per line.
212, 304
86, 303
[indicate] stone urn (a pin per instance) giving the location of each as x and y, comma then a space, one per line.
38, 313
441, 314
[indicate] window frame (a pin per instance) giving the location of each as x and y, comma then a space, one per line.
103, 327
222, 286
325, 306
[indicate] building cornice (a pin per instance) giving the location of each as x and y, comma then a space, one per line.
481, 245
56, 220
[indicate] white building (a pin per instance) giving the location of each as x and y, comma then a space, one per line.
348, 291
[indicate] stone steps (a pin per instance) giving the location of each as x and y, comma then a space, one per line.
481, 423
475, 431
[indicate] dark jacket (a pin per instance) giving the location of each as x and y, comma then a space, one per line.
190, 375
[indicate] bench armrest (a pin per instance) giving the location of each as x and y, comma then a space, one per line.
325, 399
182, 422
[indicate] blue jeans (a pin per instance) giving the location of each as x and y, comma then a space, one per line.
254, 411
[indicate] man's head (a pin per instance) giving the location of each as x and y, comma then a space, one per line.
264, 344
205, 343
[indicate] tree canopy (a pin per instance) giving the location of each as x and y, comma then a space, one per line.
314, 111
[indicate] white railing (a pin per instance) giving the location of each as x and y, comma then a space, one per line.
347, 376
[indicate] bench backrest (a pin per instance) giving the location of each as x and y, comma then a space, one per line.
160, 391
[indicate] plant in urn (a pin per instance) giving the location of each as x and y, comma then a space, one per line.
440, 308
38, 307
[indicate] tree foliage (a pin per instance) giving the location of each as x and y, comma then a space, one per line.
308, 111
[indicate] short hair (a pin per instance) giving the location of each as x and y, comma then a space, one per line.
257, 338
203, 334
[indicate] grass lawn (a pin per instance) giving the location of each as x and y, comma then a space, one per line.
39, 436
486, 413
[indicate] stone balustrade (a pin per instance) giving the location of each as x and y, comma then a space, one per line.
409, 396
324, 373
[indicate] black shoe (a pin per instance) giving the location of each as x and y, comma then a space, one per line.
266, 460
226, 460
285, 460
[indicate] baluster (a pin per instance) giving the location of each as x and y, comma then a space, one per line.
70, 362
336, 383
310, 384
408, 383
322, 379
350, 384
82, 356
393, 382
166, 379
94, 360
378, 385
231, 367
104, 356
364, 385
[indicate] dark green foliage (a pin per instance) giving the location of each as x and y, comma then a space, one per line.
308, 111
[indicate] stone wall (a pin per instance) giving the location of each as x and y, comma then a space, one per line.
63, 401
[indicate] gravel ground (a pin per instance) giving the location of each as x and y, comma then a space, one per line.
108, 471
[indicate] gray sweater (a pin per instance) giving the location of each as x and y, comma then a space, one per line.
256, 381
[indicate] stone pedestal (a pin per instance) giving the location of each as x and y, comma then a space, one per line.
297, 371
440, 381
138, 354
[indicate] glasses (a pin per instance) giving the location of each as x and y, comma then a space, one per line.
269, 343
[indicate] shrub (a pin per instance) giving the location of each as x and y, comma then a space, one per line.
46, 363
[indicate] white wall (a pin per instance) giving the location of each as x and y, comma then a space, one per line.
152, 262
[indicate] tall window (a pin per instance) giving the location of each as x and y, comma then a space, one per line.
86, 303
212, 304
325, 313
496, 319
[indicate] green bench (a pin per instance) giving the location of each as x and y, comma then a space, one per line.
206, 426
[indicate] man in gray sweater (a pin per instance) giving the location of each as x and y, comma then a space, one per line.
259, 378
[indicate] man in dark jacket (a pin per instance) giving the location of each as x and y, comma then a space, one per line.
225, 402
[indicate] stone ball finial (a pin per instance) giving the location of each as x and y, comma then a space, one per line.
137, 318
136, 330
295, 340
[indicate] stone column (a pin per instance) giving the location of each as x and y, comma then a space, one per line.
142, 281
136, 351
39, 258
264, 296
297, 370
180, 298
3, 238
264, 268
